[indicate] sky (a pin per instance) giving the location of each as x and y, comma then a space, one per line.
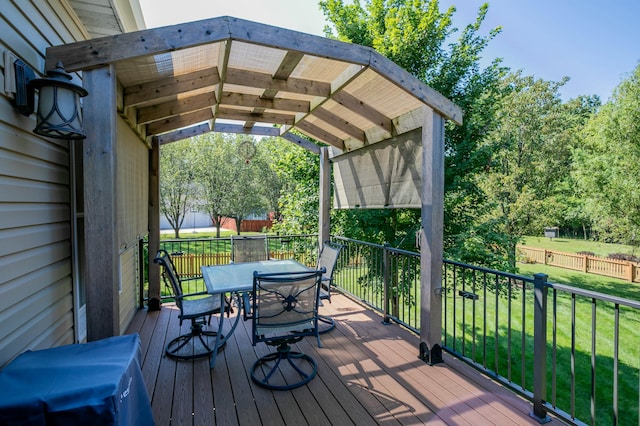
594, 42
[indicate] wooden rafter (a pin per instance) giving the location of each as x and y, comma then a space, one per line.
179, 121
266, 81
364, 110
175, 107
170, 87
245, 115
340, 123
252, 101
321, 134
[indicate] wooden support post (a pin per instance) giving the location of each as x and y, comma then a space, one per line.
431, 237
153, 302
100, 204
325, 197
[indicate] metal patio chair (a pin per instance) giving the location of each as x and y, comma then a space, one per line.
249, 249
327, 259
284, 311
194, 307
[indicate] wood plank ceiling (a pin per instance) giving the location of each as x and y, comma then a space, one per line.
230, 75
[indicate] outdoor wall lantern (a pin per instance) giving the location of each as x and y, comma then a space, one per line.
58, 114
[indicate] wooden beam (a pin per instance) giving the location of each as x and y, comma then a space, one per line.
339, 123
324, 224
320, 134
153, 217
302, 142
101, 204
266, 81
244, 115
181, 134
176, 107
288, 64
254, 130
356, 105
171, 86
253, 101
97, 52
178, 122
431, 237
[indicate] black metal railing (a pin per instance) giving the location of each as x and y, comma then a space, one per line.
571, 352
189, 255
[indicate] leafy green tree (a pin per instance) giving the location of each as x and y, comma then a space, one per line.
177, 188
607, 166
298, 174
530, 142
251, 180
214, 171
233, 183
417, 36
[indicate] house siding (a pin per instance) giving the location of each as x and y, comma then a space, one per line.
133, 202
36, 299
36, 284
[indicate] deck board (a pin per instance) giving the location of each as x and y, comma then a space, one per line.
368, 373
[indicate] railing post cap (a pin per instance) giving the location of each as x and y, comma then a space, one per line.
541, 276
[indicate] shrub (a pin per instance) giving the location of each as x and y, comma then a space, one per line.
623, 256
587, 253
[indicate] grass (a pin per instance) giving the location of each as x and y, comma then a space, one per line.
604, 341
497, 332
569, 245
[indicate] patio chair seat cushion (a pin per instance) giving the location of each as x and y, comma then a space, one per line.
282, 329
194, 308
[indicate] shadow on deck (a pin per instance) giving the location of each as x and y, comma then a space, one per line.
368, 373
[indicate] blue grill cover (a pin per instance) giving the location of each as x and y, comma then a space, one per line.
96, 383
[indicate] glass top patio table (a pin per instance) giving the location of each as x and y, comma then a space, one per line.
237, 278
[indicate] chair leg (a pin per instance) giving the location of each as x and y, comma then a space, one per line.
196, 344
325, 323
263, 372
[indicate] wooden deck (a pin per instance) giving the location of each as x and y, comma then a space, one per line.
368, 373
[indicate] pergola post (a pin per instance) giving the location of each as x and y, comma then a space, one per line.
431, 237
325, 197
153, 303
100, 204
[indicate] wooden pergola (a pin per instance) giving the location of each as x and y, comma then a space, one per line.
234, 76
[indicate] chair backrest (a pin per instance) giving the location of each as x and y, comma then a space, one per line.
285, 304
249, 249
328, 259
170, 275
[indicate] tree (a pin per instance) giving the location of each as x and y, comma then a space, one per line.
530, 143
607, 166
251, 178
233, 183
414, 34
214, 171
177, 189
298, 174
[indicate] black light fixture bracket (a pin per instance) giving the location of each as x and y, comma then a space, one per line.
24, 98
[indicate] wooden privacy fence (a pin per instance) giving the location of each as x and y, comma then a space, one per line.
622, 269
188, 265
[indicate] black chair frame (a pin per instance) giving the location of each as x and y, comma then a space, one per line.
198, 311
285, 292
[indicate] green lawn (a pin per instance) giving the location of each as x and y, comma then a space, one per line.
569, 245
498, 346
